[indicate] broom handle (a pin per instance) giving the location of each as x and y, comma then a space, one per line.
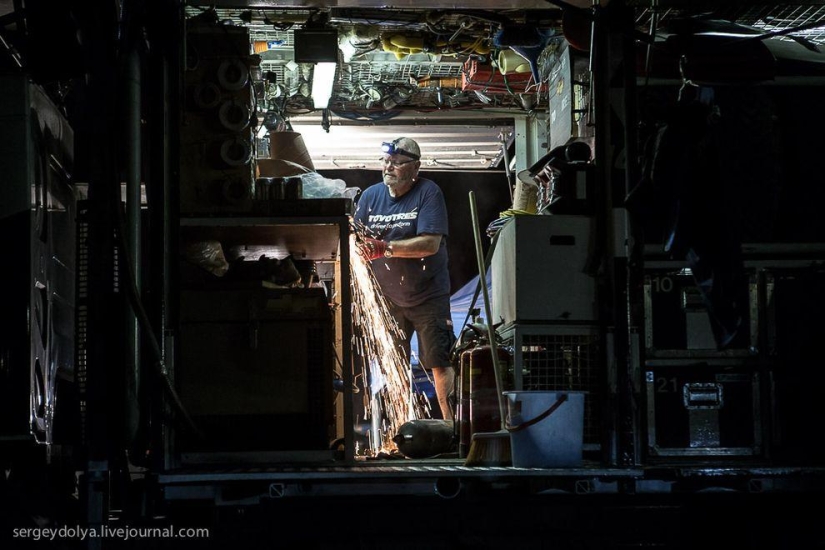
482, 273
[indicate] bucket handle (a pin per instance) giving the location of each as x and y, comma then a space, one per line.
561, 399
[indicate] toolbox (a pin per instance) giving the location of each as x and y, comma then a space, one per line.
704, 409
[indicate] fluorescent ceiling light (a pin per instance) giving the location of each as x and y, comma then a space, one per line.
455, 146
323, 78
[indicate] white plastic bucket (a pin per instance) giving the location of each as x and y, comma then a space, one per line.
553, 441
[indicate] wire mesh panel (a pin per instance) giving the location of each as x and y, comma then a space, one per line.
552, 357
552, 362
394, 71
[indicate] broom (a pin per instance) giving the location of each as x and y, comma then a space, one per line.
488, 448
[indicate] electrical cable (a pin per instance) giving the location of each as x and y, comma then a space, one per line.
146, 325
375, 117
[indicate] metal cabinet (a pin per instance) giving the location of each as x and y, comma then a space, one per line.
255, 361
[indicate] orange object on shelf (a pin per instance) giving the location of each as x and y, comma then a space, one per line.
259, 46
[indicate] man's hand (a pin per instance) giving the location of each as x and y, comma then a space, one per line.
372, 249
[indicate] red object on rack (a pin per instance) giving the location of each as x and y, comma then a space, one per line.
486, 78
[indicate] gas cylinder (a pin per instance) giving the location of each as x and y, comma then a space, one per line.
478, 405
463, 412
423, 438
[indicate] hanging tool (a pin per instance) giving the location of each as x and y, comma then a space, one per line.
507, 172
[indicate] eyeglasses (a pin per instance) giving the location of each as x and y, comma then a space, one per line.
395, 163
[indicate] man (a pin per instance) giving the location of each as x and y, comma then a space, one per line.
405, 219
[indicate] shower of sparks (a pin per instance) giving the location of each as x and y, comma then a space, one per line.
377, 339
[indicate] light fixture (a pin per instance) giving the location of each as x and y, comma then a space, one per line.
323, 79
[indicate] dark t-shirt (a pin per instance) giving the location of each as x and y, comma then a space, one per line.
422, 210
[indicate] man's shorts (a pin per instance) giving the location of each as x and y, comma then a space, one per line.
433, 324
